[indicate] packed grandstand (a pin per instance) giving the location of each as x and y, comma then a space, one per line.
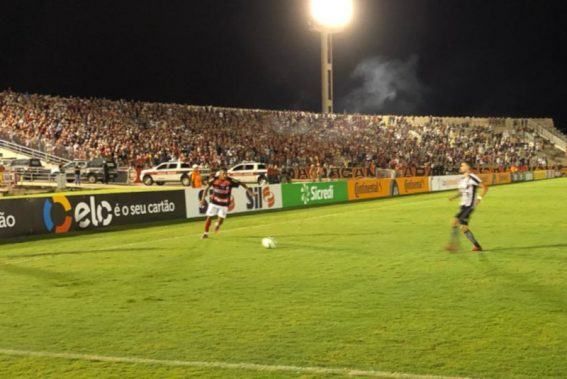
143, 134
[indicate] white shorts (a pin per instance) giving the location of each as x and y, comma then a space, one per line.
215, 210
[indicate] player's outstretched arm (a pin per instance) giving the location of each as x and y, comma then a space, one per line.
248, 189
205, 192
456, 196
484, 189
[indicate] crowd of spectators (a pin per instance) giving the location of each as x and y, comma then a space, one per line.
144, 134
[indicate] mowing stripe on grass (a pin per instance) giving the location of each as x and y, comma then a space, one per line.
221, 365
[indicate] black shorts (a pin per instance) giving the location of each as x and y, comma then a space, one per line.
464, 214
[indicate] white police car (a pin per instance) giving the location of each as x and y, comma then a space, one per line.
168, 172
250, 172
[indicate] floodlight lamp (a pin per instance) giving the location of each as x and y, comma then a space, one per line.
332, 15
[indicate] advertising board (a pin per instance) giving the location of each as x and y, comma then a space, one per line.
59, 214
359, 189
444, 183
264, 198
308, 194
412, 185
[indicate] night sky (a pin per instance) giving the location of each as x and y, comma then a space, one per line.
462, 57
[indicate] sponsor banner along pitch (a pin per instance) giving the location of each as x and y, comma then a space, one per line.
308, 194
359, 189
487, 179
264, 198
502, 178
529, 175
59, 214
444, 183
540, 174
408, 186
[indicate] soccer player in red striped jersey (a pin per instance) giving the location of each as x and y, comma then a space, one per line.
219, 201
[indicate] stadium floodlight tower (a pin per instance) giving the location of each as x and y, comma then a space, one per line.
329, 17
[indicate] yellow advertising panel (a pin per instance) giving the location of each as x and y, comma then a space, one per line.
502, 178
540, 174
416, 184
359, 189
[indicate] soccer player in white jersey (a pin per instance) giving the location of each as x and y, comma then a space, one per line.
468, 192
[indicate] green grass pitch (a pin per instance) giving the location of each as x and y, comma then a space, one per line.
364, 286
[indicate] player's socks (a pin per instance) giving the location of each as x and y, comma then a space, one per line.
471, 238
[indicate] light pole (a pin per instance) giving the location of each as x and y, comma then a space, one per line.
329, 17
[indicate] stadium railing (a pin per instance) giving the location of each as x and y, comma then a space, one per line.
552, 134
32, 153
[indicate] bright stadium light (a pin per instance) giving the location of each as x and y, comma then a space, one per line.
329, 16
332, 14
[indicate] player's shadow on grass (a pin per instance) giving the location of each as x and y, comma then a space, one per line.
86, 251
524, 286
529, 247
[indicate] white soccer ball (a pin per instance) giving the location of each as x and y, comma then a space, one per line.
269, 243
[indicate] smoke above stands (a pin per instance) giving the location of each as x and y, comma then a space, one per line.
387, 86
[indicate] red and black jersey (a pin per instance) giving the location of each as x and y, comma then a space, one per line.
222, 189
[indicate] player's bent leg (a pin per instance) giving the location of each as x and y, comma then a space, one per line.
212, 211
208, 222
220, 220
470, 236
207, 227
454, 239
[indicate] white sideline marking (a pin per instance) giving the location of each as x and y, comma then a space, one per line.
222, 365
